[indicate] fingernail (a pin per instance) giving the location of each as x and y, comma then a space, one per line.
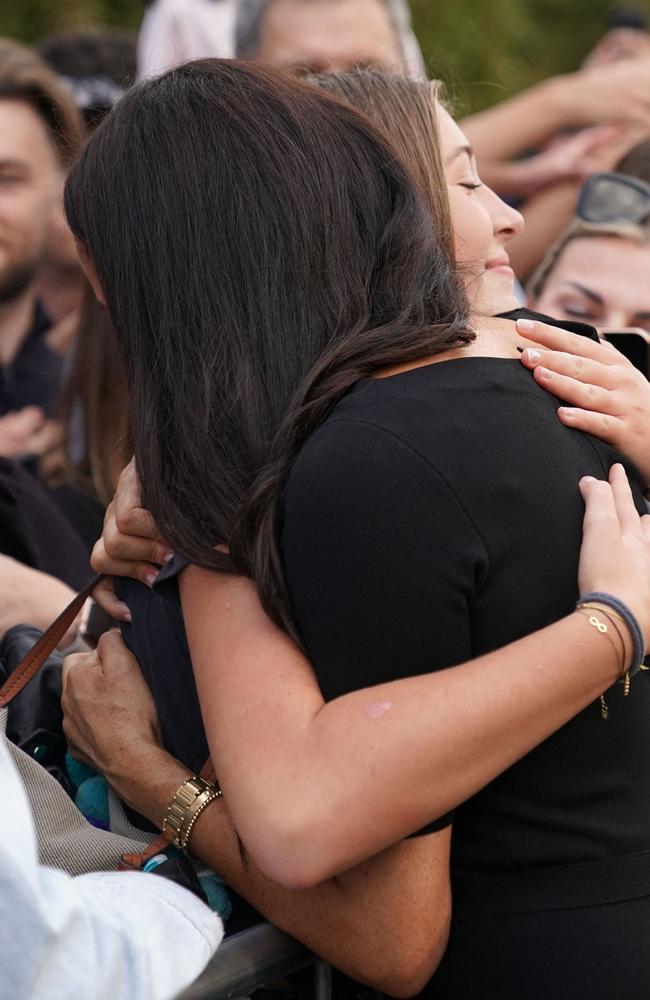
532, 356
544, 373
588, 479
126, 616
566, 411
167, 558
151, 579
525, 325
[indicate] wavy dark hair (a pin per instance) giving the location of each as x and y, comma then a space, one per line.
261, 247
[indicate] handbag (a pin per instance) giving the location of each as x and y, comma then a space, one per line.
66, 839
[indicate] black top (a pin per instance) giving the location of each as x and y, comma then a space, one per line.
433, 517
34, 376
157, 636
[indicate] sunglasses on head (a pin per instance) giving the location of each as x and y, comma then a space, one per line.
609, 197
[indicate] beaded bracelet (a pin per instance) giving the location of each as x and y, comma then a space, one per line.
628, 617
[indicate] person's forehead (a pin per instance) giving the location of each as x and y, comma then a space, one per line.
616, 269
296, 31
24, 136
452, 136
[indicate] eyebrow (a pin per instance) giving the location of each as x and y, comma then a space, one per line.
465, 148
587, 292
10, 164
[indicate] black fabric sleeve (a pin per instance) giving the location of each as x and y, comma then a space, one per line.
382, 560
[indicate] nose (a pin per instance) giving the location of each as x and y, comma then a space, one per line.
616, 318
507, 221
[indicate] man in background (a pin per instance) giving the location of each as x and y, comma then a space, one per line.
328, 35
40, 132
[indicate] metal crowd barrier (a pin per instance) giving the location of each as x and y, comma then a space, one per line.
254, 958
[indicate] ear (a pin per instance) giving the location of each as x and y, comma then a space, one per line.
88, 269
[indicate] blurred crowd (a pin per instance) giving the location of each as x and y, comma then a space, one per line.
64, 412
569, 157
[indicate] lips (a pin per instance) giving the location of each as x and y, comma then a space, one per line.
496, 262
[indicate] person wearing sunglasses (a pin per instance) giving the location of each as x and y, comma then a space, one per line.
597, 272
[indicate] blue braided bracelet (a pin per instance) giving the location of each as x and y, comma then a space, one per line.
638, 642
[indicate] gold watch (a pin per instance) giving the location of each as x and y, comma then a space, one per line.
187, 804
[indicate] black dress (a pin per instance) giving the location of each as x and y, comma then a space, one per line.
433, 517
551, 878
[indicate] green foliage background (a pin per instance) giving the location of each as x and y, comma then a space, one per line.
484, 49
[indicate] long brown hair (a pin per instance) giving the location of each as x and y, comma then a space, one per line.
406, 111
94, 407
261, 248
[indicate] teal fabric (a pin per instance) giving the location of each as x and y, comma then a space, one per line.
217, 895
91, 799
77, 772
90, 791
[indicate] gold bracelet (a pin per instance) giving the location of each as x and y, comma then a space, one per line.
600, 626
187, 802
611, 615
596, 623
197, 810
606, 610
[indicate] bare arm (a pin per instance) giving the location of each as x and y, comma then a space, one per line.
385, 922
513, 126
566, 158
428, 742
284, 757
617, 93
548, 211
32, 597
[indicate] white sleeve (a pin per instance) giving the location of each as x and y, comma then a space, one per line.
158, 43
127, 936
177, 31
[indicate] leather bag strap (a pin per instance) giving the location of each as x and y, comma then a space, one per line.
30, 665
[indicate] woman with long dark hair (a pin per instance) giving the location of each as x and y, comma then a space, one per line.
324, 267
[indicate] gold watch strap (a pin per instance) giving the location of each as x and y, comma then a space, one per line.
187, 802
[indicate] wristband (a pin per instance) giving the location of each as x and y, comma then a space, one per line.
628, 617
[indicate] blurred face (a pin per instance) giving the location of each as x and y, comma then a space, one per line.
602, 280
482, 224
326, 36
30, 189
